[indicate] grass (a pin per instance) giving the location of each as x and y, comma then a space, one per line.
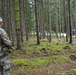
73, 71
38, 62
56, 47
33, 56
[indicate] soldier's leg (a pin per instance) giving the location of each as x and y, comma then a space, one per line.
1, 69
7, 66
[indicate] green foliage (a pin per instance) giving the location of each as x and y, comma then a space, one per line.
31, 49
38, 62
39, 56
66, 47
73, 71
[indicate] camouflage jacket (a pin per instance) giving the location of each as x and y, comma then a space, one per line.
5, 43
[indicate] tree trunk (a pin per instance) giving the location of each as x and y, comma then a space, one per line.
66, 19
75, 17
56, 11
60, 24
49, 19
5, 15
21, 19
37, 26
8, 18
26, 19
70, 27
0, 7
17, 20
13, 30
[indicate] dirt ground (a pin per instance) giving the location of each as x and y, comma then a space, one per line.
52, 69
59, 68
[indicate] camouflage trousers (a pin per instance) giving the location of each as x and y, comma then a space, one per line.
5, 66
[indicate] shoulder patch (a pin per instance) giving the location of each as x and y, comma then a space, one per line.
4, 34
2, 31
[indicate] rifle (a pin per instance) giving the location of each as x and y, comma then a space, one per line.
6, 49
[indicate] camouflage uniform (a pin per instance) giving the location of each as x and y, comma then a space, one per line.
5, 45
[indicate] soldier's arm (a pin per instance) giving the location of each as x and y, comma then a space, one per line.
5, 39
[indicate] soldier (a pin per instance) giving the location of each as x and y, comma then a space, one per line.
5, 49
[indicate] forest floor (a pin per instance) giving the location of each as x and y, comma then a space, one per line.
55, 58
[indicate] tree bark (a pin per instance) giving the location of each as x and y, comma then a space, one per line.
56, 11
70, 27
17, 20
21, 19
13, 30
37, 26
49, 19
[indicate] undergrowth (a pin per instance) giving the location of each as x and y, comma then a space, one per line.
38, 62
